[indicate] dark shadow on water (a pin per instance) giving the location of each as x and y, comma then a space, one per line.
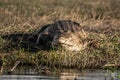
17, 41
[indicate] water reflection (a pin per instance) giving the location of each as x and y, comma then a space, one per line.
31, 74
26, 77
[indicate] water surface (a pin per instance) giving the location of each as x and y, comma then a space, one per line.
31, 74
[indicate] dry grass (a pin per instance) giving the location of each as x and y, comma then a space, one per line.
100, 18
24, 16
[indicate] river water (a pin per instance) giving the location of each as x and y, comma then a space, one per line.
31, 74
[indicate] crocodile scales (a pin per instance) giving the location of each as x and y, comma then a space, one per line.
52, 34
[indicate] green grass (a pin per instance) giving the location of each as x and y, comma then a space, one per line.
100, 19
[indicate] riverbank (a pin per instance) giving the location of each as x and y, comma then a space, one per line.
100, 20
